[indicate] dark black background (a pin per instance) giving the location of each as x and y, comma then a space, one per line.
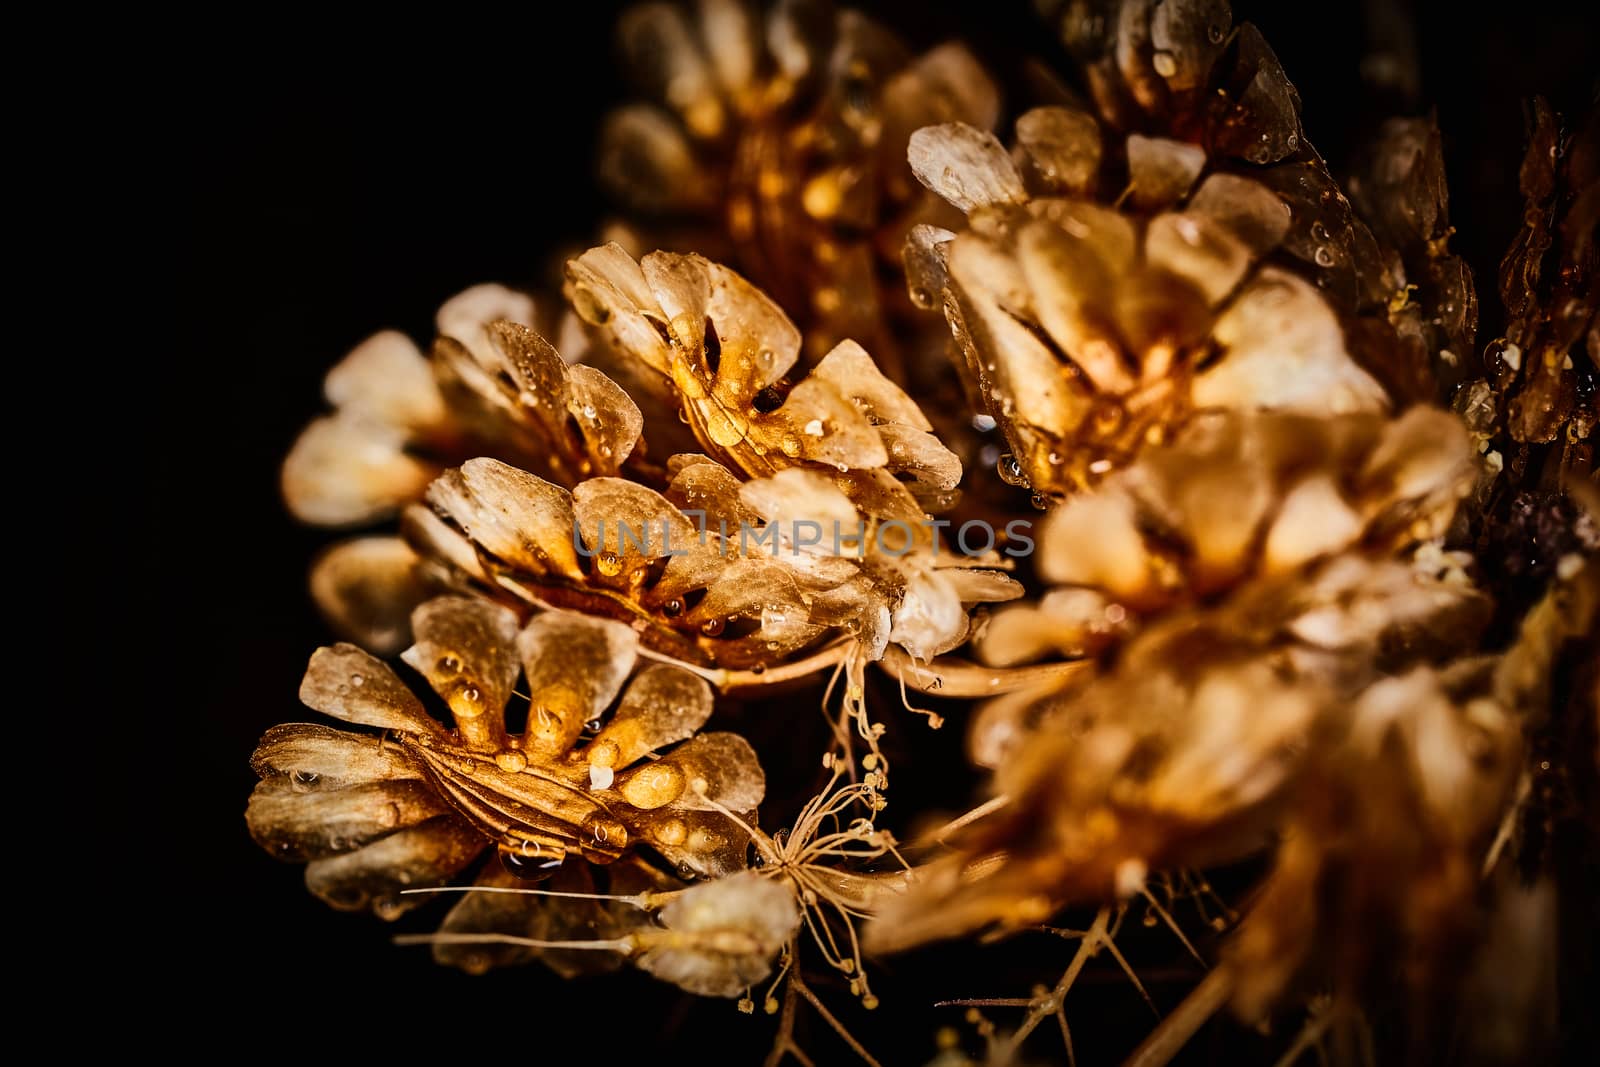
334, 182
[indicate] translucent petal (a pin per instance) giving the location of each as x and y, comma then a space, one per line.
707, 486
608, 291
424, 855
366, 589
324, 756
647, 162
925, 256
793, 495
758, 587
346, 469
1008, 360
575, 666
639, 524
756, 341
729, 35
387, 380
442, 547
853, 373
1061, 150
930, 618
1263, 124
945, 84
966, 166
467, 316
606, 416
979, 586
293, 823
512, 515
743, 909
1071, 270
1253, 213
1191, 34
1161, 170
1199, 250
820, 425
726, 765
1284, 350
349, 684
920, 456
701, 844
466, 648
1095, 541
663, 53
1313, 520
489, 913
662, 705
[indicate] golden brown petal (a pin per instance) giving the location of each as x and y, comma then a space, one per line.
514, 516
349, 684
347, 469
662, 705
297, 821
320, 754
367, 587
575, 666
466, 650
424, 855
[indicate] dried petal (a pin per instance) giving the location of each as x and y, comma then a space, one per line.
349, 684
367, 587
465, 649
964, 165
575, 666
345, 469
424, 855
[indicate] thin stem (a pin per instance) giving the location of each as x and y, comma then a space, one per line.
621, 944
950, 677
1176, 1029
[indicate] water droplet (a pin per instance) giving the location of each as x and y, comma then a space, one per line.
511, 762
589, 411
683, 416
759, 668
357, 680
1323, 256
1149, 918
983, 423
921, 297
449, 664
1215, 33
609, 564
1040, 502
1165, 64
713, 627
814, 428
1319, 232
672, 608
1010, 470
791, 445
534, 865
304, 780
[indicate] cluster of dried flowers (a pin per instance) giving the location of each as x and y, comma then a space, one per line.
1303, 588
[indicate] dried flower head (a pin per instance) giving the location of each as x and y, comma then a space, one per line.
491, 386
777, 141
411, 807
1092, 332
725, 352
